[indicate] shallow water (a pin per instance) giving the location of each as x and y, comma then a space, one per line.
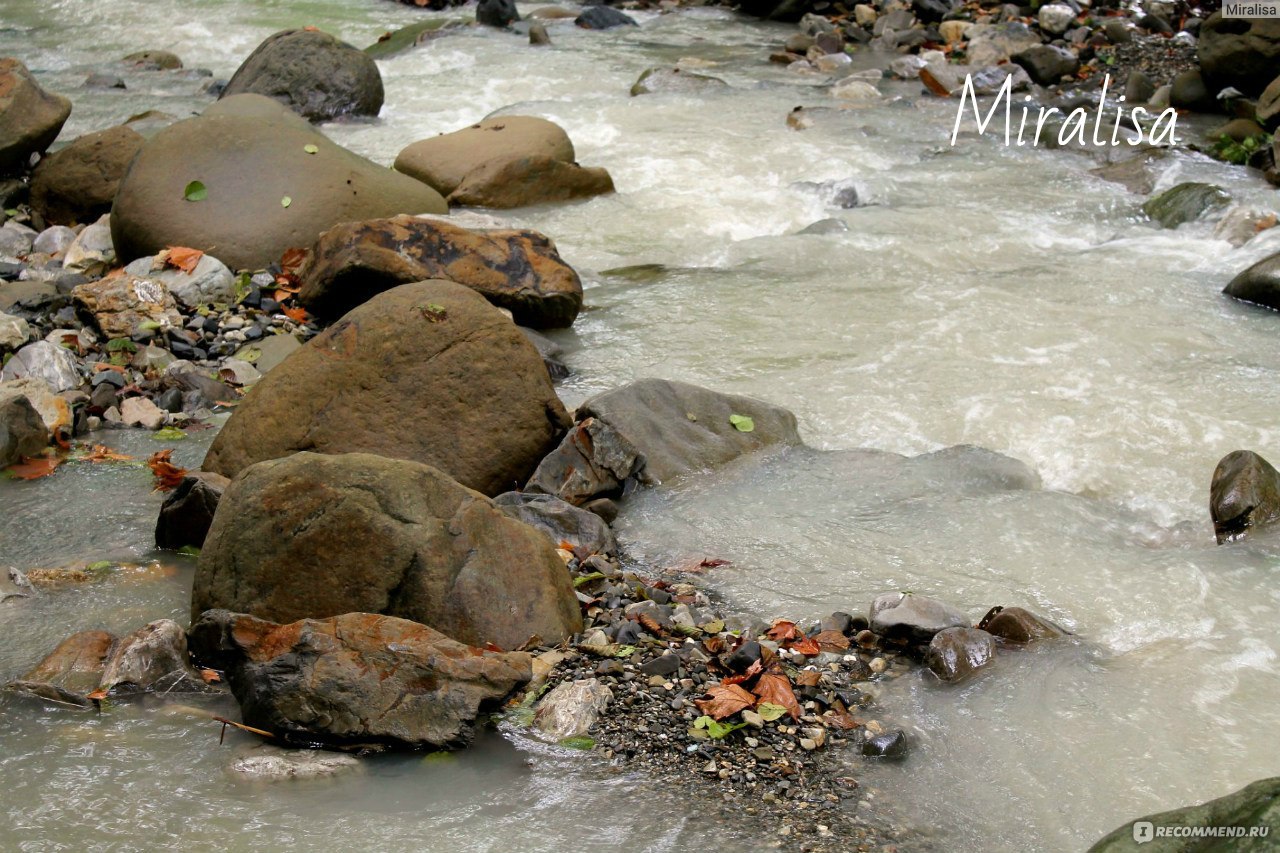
998, 297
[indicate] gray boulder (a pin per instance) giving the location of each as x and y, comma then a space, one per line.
560, 521
291, 540
208, 284
899, 615
1259, 284
1244, 495
312, 73
660, 80
1256, 805
49, 363
1047, 64
1186, 202
30, 117
1239, 52
356, 681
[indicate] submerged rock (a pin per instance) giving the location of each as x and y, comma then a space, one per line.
899, 615
291, 540
30, 117
1185, 203
954, 654
674, 81
356, 680
520, 271
1015, 625
890, 745
427, 371
271, 764
1259, 284
314, 74
79, 182
1256, 805
571, 709
1244, 495
250, 154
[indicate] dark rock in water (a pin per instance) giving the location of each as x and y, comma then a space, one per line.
30, 117
606, 508
1185, 203
153, 60
292, 540
1244, 495
71, 671
654, 430
517, 270
1256, 805
1189, 92
250, 154
187, 511
152, 657
442, 162
603, 18
79, 182
1259, 284
954, 654
170, 400
838, 621
1138, 88
528, 181
428, 371
825, 226
356, 680
1015, 625
314, 74
1239, 52
776, 10
560, 521
1047, 64
104, 81
550, 352
22, 431
496, 13
210, 390
675, 81
890, 745
538, 34
898, 615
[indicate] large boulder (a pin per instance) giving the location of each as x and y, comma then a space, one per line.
654, 430
311, 72
1239, 52
120, 306
293, 537
1259, 284
1252, 808
529, 181
271, 182
915, 618
1244, 495
358, 680
428, 371
443, 161
22, 431
79, 182
51, 364
517, 270
30, 117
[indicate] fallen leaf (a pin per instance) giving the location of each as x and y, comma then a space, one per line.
806, 646
292, 259
783, 630
311, 149
714, 644
742, 423
297, 315
180, 257
209, 676
769, 711
168, 475
808, 678
651, 625
33, 468
716, 730
832, 641
195, 191
102, 453
933, 84
840, 718
97, 695
286, 201
775, 688
726, 700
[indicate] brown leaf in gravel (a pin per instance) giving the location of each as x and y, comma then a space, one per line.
783, 630
209, 676
292, 259
180, 257
774, 687
651, 625
726, 700
714, 644
807, 646
832, 641
840, 718
808, 678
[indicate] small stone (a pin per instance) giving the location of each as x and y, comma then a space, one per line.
141, 412
710, 768
878, 665
753, 719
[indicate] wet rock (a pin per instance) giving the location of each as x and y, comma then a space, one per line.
79, 182
654, 430
153, 60
1117, 31
674, 81
538, 34
356, 679
1244, 495
14, 584
1239, 52
152, 657
1185, 202
187, 511
209, 283
898, 615
1138, 88
572, 708
30, 117
442, 162
1259, 284
314, 74
14, 332
1015, 625
125, 305
932, 11
426, 371
603, 18
1256, 805
560, 521
663, 665
1047, 64
291, 538
54, 240
93, 252
99, 80
71, 671
496, 13
856, 92
1190, 92
22, 432
1056, 18
890, 745
530, 180
398, 41
1241, 224
516, 270
49, 363
269, 764
954, 654
552, 13
250, 153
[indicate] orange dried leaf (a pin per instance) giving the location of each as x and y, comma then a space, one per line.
209, 676
807, 646
102, 453
832, 641
783, 630
775, 688
297, 315
292, 259
651, 625
726, 700
180, 257
808, 678
168, 476
34, 468
98, 695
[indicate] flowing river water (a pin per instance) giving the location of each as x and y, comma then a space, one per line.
982, 295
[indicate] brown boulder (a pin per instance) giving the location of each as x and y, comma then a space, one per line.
427, 371
527, 181
79, 182
1015, 625
955, 654
517, 270
291, 540
313, 73
70, 671
356, 681
1244, 495
119, 305
30, 117
443, 161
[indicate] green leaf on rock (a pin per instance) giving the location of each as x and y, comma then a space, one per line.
149, 325
169, 434
742, 423
189, 550
11, 212
250, 355
586, 579
195, 191
716, 730
100, 566
769, 711
286, 201
310, 149
579, 742
624, 651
